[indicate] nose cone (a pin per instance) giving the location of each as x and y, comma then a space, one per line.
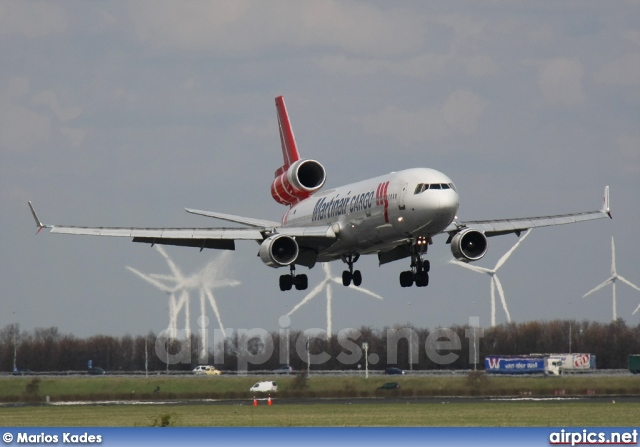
448, 207
449, 202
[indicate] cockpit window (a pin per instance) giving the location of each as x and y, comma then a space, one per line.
421, 187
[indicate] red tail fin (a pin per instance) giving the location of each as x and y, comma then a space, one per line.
287, 140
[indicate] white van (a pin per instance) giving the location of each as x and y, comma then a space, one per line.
263, 387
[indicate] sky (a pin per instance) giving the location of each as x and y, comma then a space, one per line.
123, 113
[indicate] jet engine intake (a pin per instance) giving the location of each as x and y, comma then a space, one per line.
278, 250
303, 178
469, 245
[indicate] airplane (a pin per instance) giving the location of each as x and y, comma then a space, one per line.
394, 216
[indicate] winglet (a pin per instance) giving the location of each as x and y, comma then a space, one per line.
39, 224
605, 205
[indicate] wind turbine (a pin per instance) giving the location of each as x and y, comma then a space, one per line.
326, 284
171, 290
612, 280
211, 276
495, 282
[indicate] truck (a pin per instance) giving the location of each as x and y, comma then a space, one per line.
634, 363
573, 363
522, 364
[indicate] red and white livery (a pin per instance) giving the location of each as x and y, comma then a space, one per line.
393, 216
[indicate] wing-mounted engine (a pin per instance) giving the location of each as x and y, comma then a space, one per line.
469, 245
299, 181
278, 250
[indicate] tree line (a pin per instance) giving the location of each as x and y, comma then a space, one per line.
456, 347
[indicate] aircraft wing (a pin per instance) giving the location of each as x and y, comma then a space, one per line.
217, 238
505, 226
238, 219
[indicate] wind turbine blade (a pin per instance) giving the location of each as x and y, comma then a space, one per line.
613, 257
214, 305
162, 277
637, 309
151, 281
627, 282
502, 299
475, 268
184, 297
365, 291
598, 287
225, 283
172, 265
307, 298
503, 259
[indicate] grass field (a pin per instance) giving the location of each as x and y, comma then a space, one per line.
334, 415
242, 413
26, 389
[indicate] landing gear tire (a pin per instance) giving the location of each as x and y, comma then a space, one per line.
286, 282
422, 279
301, 282
346, 278
349, 276
406, 279
357, 278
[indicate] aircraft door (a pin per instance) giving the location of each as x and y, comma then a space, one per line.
401, 194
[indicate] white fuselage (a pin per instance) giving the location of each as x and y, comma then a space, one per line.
377, 213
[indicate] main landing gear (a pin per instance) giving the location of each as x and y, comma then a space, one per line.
349, 276
301, 282
419, 272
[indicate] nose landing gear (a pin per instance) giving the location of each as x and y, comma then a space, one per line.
419, 272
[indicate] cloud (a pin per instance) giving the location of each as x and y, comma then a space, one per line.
624, 71
50, 99
244, 25
20, 127
460, 114
462, 111
560, 81
629, 151
31, 19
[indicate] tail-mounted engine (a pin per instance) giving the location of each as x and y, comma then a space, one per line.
303, 178
469, 245
278, 250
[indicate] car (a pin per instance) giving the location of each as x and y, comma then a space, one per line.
285, 370
206, 370
394, 372
390, 386
96, 371
264, 387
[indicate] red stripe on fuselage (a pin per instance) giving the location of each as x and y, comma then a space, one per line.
385, 198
